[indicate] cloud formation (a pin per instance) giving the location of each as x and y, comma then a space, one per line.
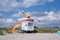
6, 22
9, 5
51, 19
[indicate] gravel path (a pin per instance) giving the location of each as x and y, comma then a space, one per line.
31, 36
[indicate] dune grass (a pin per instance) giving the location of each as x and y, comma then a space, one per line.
2, 30
39, 30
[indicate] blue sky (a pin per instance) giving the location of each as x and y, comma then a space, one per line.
47, 11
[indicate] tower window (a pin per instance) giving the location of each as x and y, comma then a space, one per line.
30, 24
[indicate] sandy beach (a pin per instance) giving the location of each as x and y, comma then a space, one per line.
30, 36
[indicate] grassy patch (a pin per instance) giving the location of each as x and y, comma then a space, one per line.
47, 30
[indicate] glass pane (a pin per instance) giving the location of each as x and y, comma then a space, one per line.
30, 24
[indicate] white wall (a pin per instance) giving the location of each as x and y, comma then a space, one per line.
25, 26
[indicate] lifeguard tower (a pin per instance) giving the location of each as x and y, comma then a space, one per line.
26, 24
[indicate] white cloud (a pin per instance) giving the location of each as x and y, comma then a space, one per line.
10, 21
28, 3
1, 16
51, 19
9, 5
46, 12
4, 22
50, 0
18, 14
15, 15
19, 19
51, 16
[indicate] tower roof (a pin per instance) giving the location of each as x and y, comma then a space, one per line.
27, 19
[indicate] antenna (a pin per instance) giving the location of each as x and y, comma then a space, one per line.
23, 13
27, 15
